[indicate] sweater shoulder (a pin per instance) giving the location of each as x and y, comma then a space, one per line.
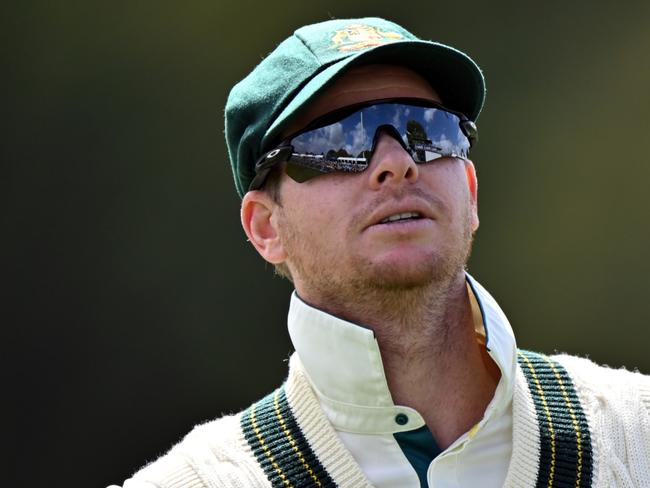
214, 453
605, 381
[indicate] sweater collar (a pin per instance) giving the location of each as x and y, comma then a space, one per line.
344, 365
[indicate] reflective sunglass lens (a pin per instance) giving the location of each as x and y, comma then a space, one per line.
301, 173
343, 141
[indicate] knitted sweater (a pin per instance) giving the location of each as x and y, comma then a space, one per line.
575, 424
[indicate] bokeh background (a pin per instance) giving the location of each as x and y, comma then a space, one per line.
133, 307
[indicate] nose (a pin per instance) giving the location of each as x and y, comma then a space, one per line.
391, 164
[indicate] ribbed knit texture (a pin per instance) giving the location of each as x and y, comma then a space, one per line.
280, 446
524, 463
615, 404
565, 452
323, 438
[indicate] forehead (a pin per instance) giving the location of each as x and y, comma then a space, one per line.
362, 84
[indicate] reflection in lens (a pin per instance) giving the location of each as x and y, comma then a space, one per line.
346, 145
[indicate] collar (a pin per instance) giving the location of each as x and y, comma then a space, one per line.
344, 366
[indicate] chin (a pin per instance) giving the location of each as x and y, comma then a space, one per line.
409, 274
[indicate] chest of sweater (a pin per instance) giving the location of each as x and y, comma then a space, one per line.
575, 424
561, 438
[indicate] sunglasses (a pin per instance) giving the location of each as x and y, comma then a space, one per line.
344, 140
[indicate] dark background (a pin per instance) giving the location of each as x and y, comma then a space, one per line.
133, 307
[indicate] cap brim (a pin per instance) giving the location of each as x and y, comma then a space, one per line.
455, 77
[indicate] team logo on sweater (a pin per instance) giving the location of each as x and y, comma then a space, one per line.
354, 37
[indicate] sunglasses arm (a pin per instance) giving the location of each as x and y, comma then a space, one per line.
267, 162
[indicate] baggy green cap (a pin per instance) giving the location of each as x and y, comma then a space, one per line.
260, 106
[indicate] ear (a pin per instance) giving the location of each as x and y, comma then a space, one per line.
259, 219
472, 184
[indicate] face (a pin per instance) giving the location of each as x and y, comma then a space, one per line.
332, 230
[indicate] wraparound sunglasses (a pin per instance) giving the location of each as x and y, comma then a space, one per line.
345, 139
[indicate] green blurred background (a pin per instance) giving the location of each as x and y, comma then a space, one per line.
133, 305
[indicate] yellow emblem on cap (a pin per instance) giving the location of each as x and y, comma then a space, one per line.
354, 37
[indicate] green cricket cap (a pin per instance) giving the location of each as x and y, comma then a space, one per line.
261, 105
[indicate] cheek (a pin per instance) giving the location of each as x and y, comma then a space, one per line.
321, 202
324, 221
447, 181
314, 221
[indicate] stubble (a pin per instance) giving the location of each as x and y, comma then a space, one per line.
370, 294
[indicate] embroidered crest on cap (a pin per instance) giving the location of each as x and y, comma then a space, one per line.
354, 37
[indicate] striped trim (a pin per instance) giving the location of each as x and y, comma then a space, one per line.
280, 446
566, 457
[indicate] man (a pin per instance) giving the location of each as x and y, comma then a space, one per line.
349, 146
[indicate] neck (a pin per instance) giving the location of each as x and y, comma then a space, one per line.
431, 358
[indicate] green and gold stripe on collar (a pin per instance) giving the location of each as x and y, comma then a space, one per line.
272, 432
566, 456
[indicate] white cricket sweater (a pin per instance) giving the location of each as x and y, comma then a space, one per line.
574, 424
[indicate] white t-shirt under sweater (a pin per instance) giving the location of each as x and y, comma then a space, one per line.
344, 366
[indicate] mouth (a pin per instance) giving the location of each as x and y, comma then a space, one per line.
401, 217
